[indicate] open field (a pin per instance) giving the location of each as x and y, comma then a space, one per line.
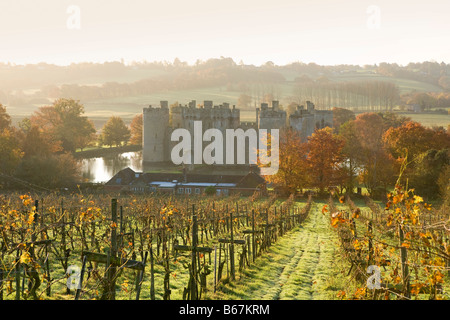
430, 120
128, 106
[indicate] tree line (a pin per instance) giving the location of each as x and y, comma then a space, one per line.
40, 151
365, 95
52, 82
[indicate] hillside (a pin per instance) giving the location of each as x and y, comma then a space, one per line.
123, 90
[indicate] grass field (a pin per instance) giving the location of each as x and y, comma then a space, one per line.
430, 120
304, 264
126, 107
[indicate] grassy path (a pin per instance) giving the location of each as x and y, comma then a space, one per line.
303, 264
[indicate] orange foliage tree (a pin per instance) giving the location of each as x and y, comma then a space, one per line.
376, 163
325, 159
65, 121
412, 139
292, 171
136, 130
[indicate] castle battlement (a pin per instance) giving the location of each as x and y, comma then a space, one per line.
307, 120
273, 112
159, 122
160, 109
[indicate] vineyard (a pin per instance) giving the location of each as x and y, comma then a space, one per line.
85, 247
105, 248
405, 245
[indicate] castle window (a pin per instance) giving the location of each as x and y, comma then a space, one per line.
188, 190
180, 190
197, 190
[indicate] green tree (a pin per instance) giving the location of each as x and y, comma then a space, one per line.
444, 185
115, 132
49, 171
427, 171
210, 190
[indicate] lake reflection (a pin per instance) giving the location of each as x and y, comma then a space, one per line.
103, 169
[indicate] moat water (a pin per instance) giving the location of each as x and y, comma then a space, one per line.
102, 169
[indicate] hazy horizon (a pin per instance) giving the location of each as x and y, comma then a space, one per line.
254, 32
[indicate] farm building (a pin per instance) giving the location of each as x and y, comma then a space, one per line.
188, 183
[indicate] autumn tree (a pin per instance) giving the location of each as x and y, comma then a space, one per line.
10, 153
443, 183
44, 162
34, 142
352, 154
427, 172
292, 171
50, 171
325, 159
114, 132
136, 130
392, 120
341, 116
413, 139
376, 164
64, 121
5, 119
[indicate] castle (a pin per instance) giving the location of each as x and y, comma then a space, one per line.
160, 122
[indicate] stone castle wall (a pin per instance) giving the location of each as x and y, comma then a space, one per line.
155, 133
159, 123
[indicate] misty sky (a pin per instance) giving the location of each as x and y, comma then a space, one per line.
255, 31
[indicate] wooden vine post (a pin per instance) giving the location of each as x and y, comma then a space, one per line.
192, 292
232, 270
111, 268
370, 236
404, 261
112, 262
193, 278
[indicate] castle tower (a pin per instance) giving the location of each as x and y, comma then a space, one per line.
271, 118
155, 133
302, 121
307, 121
